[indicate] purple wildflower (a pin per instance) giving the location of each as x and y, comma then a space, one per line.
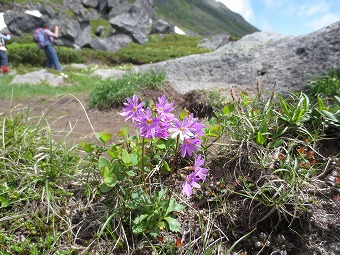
148, 124
198, 170
163, 132
181, 128
189, 145
189, 182
196, 127
132, 108
164, 109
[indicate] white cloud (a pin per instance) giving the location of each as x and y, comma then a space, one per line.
314, 9
323, 21
242, 7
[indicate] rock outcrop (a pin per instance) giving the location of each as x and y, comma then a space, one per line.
128, 20
262, 57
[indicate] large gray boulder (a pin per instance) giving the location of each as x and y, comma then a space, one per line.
78, 9
137, 21
19, 22
38, 77
215, 42
113, 43
264, 57
160, 26
74, 34
90, 3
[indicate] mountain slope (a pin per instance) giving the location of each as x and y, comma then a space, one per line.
204, 17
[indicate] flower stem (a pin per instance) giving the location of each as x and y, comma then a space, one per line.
143, 173
173, 165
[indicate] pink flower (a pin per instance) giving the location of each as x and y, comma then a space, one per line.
132, 108
199, 174
181, 129
189, 182
200, 171
196, 127
190, 145
148, 124
164, 109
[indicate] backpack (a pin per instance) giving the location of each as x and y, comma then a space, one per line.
39, 38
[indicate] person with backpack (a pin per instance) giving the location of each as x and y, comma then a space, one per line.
3, 52
44, 39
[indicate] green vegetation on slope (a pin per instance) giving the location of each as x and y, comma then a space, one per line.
158, 48
204, 17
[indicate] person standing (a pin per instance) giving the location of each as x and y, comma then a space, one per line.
3, 52
50, 53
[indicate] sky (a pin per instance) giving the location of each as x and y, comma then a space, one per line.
287, 17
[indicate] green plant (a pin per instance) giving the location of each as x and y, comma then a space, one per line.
128, 165
154, 213
326, 86
113, 92
33, 169
333, 119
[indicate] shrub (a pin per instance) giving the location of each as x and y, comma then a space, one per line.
30, 54
113, 92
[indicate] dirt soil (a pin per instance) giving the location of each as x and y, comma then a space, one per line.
72, 115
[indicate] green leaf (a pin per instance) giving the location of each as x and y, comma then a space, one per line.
213, 131
103, 136
110, 179
184, 113
124, 131
140, 218
229, 108
174, 206
113, 152
259, 138
162, 194
130, 173
213, 121
125, 156
133, 159
166, 166
103, 162
329, 115
174, 225
105, 188
89, 148
4, 202
337, 99
160, 145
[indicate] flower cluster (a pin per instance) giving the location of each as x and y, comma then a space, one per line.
199, 174
159, 122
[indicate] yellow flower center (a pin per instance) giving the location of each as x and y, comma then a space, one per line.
148, 121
